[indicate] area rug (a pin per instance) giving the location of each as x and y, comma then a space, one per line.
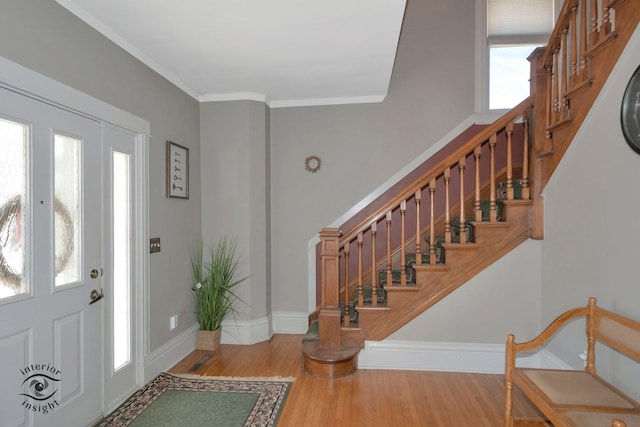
195, 401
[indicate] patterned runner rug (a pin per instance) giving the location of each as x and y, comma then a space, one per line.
195, 401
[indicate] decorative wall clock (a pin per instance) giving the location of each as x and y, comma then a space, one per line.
630, 112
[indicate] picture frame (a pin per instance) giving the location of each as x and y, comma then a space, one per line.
177, 171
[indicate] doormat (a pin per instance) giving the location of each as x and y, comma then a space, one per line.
194, 401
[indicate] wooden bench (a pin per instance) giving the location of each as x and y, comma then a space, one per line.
576, 398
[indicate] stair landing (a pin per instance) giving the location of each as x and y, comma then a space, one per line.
324, 363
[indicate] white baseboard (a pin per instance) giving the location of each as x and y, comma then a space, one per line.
246, 331
290, 322
395, 355
449, 357
551, 361
243, 332
170, 353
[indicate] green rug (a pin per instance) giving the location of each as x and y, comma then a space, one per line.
193, 401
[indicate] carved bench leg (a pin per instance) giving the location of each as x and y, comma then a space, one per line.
509, 365
508, 415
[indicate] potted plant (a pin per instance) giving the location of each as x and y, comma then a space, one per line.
213, 284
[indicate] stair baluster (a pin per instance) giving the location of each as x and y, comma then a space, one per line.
389, 277
463, 232
374, 275
493, 216
418, 196
548, 143
477, 207
447, 217
403, 255
360, 286
346, 284
565, 114
555, 116
594, 23
573, 74
509, 131
525, 193
584, 71
432, 223
605, 27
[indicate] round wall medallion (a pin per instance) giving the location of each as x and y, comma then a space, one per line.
630, 112
312, 163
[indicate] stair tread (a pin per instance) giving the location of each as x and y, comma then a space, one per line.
497, 224
517, 202
371, 308
463, 247
313, 351
429, 267
399, 288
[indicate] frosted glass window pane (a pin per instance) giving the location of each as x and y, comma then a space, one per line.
509, 75
519, 17
67, 207
14, 216
121, 261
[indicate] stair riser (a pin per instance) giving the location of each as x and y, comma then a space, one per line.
369, 319
514, 212
352, 337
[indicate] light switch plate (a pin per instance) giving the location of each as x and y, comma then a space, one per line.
154, 245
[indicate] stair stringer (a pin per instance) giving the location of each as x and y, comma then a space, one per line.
463, 262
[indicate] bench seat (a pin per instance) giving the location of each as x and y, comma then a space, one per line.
577, 398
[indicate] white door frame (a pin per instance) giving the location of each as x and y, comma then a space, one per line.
32, 84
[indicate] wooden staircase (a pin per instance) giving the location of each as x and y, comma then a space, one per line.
434, 282
526, 144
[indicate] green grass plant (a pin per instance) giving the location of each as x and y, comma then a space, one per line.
214, 282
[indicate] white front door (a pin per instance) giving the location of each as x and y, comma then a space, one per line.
50, 265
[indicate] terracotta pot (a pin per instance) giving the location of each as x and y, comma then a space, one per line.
208, 340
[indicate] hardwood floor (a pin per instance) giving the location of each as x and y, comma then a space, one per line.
367, 398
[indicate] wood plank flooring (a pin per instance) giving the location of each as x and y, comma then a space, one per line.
367, 398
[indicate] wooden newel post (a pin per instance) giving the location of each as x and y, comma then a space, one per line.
540, 82
330, 280
542, 144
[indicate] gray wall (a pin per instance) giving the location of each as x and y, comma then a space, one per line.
592, 229
503, 299
48, 39
244, 144
361, 146
236, 192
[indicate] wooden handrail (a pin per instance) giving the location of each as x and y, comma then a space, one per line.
437, 170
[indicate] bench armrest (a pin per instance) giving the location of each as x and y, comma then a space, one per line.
513, 348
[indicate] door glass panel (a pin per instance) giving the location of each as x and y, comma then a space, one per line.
121, 260
14, 220
67, 209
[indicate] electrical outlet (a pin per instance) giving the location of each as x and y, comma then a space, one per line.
173, 322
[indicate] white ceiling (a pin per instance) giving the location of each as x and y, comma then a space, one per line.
283, 52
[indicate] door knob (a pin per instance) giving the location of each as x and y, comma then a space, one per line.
95, 296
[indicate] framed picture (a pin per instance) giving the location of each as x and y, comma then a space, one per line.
177, 171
